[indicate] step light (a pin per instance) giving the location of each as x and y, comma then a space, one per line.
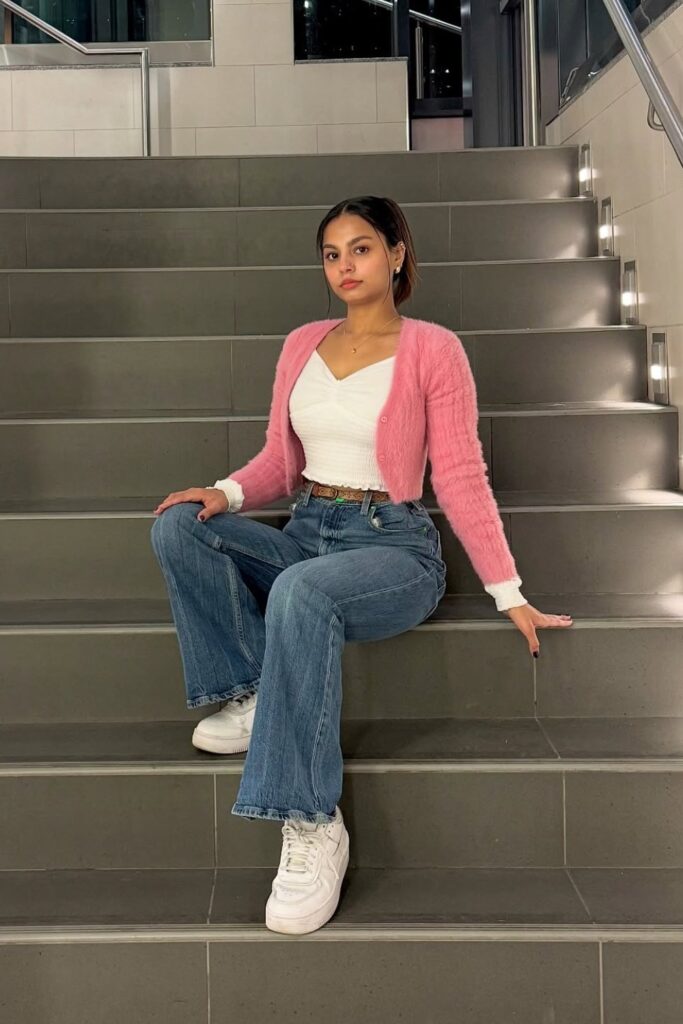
629, 293
659, 368
606, 232
585, 170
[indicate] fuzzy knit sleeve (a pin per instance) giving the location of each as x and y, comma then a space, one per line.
459, 473
263, 479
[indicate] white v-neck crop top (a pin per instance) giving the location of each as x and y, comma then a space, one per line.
336, 421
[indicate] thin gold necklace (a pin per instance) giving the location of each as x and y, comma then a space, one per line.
353, 349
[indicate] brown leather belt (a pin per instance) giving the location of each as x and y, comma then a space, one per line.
347, 493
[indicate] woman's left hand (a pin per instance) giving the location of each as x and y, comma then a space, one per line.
528, 619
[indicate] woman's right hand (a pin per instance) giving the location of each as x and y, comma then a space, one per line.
528, 619
213, 500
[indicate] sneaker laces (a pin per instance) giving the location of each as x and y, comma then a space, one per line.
302, 842
242, 698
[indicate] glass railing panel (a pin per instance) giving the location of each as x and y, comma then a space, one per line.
341, 30
362, 29
441, 49
107, 21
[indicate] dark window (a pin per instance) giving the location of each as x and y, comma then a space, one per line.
103, 21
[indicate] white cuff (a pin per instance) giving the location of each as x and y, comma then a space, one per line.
506, 593
233, 492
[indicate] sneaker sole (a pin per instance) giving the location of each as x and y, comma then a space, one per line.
319, 917
216, 746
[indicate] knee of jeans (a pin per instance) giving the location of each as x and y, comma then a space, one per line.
286, 588
279, 590
164, 532
294, 590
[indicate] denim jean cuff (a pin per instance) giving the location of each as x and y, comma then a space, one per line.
278, 814
214, 698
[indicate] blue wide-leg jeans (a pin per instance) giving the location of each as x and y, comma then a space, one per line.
268, 610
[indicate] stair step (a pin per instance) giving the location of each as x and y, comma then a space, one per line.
253, 236
578, 292
605, 446
115, 796
94, 549
579, 973
118, 661
577, 408
458, 611
507, 501
52, 375
547, 744
496, 173
494, 900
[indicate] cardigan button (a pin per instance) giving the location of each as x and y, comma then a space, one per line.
381, 458
383, 419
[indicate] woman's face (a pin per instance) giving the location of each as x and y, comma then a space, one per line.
353, 249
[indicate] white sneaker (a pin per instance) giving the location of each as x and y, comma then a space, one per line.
313, 862
229, 730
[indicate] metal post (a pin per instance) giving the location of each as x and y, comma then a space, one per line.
530, 74
467, 100
419, 66
144, 94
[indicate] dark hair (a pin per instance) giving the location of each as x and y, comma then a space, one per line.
387, 217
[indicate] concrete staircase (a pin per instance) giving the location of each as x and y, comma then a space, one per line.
516, 825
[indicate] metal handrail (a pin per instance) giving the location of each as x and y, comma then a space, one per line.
652, 121
419, 16
61, 37
661, 100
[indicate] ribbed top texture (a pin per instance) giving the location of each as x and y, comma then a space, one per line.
336, 420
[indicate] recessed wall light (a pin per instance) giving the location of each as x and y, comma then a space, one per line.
629, 293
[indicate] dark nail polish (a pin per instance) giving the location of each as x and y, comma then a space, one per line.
535, 654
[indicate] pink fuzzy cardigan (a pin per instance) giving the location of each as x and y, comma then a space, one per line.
431, 411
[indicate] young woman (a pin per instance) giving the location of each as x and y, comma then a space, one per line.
263, 613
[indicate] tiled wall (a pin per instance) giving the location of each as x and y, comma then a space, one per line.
639, 169
254, 100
